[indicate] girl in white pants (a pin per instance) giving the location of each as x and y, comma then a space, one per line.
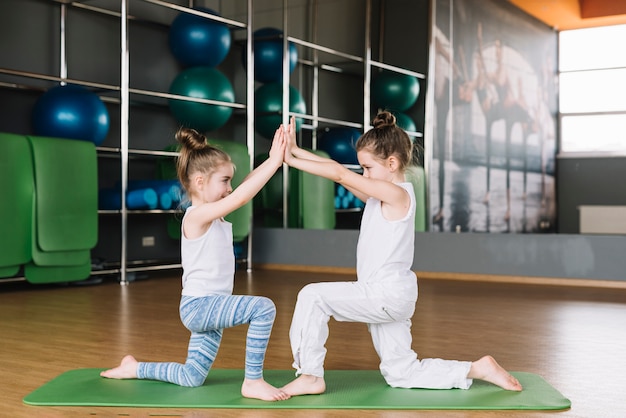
385, 292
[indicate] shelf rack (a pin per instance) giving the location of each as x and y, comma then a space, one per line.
367, 64
121, 95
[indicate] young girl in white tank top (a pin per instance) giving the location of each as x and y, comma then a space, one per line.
385, 292
207, 304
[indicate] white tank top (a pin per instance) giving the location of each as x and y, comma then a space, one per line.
208, 261
385, 248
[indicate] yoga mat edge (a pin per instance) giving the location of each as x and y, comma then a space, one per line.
346, 389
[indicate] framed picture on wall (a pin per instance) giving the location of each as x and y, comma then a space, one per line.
494, 126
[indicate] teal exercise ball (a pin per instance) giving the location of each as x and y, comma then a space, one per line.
405, 122
72, 112
202, 83
394, 91
268, 106
268, 55
199, 41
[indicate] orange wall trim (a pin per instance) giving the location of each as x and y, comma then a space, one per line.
575, 14
601, 8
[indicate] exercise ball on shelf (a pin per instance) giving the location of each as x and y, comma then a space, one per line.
268, 105
202, 83
199, 41
110, 199
394, 91
72, 112
340, 143
268, 55
405, 122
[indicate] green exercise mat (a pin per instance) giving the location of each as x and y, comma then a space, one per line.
66, 184
55, 258
9, 271
56, 274
17, 186
415, 175
346, 389
61, 258
316, 199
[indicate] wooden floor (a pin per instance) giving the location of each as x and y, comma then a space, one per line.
575, 337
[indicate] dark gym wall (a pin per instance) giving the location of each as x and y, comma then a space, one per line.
588, 181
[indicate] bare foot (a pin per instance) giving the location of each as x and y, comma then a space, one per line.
126, 370
489, 370
305, 384
260, 389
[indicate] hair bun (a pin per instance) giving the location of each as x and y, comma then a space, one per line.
191, 139
384, 118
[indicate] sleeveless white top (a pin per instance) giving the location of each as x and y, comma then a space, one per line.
208, 261
385, 248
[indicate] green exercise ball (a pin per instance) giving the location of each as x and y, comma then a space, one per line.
202, 83
268, 105
394, 91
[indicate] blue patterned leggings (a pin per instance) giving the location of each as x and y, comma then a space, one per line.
206, 318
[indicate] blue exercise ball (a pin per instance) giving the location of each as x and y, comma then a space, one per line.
72, 112
268, 55
340, 144
394, 91
268, 105
202, 83
199, 41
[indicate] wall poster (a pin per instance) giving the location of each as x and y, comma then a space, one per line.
494, 120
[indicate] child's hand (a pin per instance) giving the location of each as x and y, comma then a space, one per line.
279, 144
288, 156
291, 134
290, 139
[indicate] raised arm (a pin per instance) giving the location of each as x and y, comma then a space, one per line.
361, 186
311, 163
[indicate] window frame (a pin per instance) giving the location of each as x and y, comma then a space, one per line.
562, 115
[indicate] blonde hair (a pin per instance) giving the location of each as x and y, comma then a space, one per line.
385, 139
196, 156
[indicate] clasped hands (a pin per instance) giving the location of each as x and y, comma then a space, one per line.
284, 144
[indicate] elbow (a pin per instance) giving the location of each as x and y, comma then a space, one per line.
340, 174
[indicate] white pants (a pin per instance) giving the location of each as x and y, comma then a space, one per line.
387, 314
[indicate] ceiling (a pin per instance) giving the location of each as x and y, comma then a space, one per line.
575, 14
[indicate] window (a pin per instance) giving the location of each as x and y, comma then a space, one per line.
592, 90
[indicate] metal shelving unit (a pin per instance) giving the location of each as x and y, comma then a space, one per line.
126, 151
366, 64
124, 96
